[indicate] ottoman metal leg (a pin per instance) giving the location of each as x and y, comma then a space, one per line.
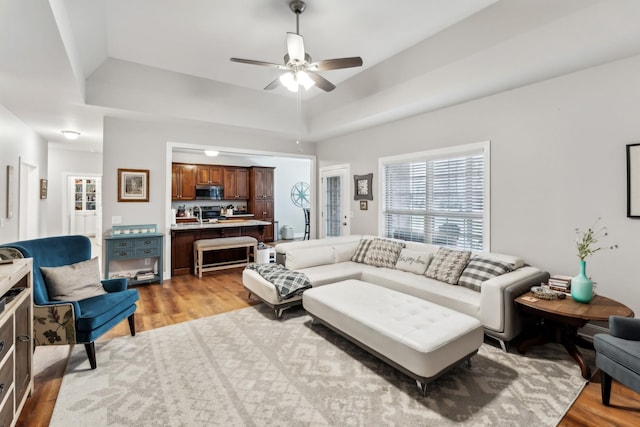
423, 387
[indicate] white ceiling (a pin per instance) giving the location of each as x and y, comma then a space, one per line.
65, 64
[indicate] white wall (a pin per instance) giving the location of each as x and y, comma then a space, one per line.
62, 163
557, 163
145, 145
17, 142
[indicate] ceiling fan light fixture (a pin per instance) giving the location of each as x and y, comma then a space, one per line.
288, 80
304, 80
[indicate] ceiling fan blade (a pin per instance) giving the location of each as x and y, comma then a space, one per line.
274, 84
321, 82
295, 47
335, 64
261, 63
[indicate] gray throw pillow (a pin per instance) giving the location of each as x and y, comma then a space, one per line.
447, 265
361, 250
413, 261
480, 269
383, 253
73, 282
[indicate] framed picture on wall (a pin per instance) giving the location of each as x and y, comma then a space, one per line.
133, 185
363, 187
633, 180
43, 188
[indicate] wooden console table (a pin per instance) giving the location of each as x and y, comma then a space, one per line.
563, 317
16, 342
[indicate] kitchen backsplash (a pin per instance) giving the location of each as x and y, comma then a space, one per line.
239, 207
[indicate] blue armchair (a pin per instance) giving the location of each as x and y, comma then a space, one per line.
618, 355
71, 322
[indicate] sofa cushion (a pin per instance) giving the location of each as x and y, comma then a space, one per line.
481, 268
455, 297
309, 257
447, 265
383, 253
413, 261
344, 252
361, 250
73, 282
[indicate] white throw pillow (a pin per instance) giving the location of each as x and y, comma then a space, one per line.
73, 282
413, 261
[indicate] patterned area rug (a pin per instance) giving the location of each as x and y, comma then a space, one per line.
243, 368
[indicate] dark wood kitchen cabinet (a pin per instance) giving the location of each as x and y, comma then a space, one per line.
261, 203
209, 175
183, 181
236, 183
182, 245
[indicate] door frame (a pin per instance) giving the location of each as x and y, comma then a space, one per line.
28, 200
336, 170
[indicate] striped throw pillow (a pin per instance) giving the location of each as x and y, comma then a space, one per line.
361, 250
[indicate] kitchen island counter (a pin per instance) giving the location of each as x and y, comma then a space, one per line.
223, 223
183, 235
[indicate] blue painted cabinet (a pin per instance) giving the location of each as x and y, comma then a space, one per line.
131, 249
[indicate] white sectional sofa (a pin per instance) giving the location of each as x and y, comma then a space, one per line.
327, 261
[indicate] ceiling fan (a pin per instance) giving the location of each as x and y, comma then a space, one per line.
300, 71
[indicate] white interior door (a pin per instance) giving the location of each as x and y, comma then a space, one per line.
334, 201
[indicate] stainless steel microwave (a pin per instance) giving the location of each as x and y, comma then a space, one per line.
209, 192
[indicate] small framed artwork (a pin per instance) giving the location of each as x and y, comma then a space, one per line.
364, 205
363, 187
133, 185
43, 188
633, 180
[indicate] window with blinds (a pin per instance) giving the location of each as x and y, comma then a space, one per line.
438, 197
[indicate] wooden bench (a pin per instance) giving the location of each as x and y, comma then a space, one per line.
206, 245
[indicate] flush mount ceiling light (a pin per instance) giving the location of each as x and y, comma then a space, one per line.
70, 134
300, 71
211, 153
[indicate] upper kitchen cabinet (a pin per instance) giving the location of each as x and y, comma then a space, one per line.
209, 174
236, 183
183, 181
261, 180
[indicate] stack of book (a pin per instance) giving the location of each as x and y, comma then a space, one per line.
145, 275
560, 283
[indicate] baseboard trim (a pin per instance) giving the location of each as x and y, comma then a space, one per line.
590, 329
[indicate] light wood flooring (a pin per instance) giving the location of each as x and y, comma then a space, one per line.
186, 298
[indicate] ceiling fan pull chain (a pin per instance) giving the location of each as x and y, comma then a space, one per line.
298, 117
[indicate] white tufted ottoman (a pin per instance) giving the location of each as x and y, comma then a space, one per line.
420, 338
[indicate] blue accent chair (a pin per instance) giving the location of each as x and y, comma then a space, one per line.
618, 355
71, 322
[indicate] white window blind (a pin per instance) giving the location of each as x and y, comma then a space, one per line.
437, 198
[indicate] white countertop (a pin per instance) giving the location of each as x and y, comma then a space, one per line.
220, 224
